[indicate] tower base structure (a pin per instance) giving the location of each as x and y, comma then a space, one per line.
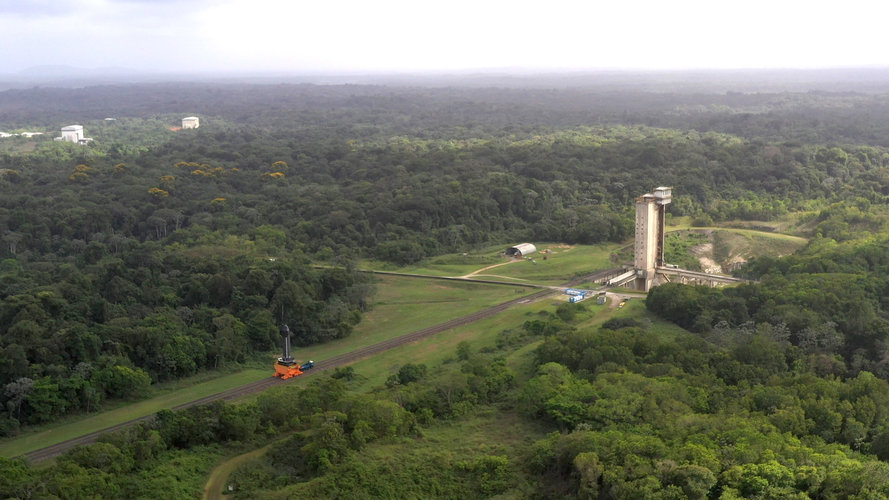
643, 280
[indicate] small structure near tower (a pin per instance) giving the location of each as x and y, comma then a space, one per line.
521, 250
649, 244
191, 122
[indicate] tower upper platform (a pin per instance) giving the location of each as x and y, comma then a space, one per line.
663, 195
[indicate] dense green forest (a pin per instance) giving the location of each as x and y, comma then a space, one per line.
627, 409
152, 254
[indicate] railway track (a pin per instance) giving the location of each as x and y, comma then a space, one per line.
328, 364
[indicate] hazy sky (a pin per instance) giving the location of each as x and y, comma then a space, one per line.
411, 35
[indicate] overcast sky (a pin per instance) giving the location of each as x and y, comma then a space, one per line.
420, 35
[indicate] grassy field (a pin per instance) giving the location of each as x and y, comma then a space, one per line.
49, 435
559, 265
403, 305
792, 224
441, 348
446, 265
734, 242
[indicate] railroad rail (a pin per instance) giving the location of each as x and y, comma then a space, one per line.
453, 278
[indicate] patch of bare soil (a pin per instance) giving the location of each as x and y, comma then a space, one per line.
704, 254
736, 262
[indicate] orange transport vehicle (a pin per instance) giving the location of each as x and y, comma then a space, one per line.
286, 366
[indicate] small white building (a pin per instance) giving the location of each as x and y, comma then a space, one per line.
72, 133
521, 250
191, 122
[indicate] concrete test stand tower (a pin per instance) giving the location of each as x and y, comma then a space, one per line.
649, 245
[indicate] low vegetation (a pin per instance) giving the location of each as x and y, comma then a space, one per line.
628, 409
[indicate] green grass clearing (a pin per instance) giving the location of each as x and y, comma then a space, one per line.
441, 348
50, 435
731, 243
403, 305
561, 264
456, 264
784, 228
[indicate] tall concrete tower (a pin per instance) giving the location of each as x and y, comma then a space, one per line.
649, 247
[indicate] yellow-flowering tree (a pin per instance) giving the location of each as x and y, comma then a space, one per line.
205, 170
158, 193
10, 175
80, 177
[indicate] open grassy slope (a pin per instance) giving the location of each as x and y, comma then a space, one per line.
41, 437
555, 267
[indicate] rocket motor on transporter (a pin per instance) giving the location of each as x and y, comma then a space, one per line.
286, 366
